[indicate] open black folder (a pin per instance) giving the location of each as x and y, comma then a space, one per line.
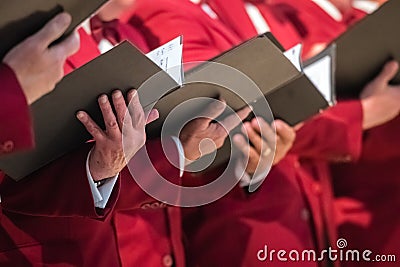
22, 18
56, 128
363, 50
290, 94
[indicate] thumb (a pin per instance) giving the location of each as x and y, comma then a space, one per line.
285, 132
388, 72
211, 112
68, 47
53, 30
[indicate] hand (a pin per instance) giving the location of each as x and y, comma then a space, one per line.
381, 101
109, 156
202, 136
113, 9
263, 138
37, 66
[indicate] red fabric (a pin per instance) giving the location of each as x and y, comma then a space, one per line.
373, 181
284, 213
335, 135
313, 24
306, 186
234, 15
46, 220
70, 237
16, 130
116, 32
49, 191
181, 18
87, 52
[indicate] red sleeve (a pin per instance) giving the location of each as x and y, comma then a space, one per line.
334, 135
60, 189
148, 166
177, 19
16, 130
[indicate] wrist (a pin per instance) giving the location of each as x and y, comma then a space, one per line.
370, 115
99, 171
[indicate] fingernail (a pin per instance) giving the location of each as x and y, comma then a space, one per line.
64, 18
133, 93
266, 152
117, 94
103, 99
236, 138
80, 115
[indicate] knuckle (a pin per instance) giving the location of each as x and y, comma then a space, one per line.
112, 124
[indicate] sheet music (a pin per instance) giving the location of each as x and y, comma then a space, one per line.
294, 56
320, 75
169, 58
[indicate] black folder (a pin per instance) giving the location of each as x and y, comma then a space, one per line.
56, 128
363, 50
290, 94
21, 18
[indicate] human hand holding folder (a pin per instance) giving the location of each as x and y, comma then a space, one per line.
265, 142
203, 135
39, 67
109, 154
380, 100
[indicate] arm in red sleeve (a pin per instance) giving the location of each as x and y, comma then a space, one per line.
60, 189
334, 135
16, 130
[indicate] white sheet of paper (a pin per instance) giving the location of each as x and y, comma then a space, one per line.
319, 74
169, 58
294, 56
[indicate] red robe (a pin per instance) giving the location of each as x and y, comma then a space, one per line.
314, 25
234, 15
367, 189
230, 231
16, 130
55, 223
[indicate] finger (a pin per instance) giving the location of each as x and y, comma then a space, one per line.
120, 108
244, 147
68, 47
212, 111
286, 133
242, 144
232, 121
298, 126
53, 30
261, 146
92, 127
110, 121
264, 129
152, 116
136, 110
388, 72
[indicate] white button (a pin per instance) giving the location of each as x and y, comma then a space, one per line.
305, 215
